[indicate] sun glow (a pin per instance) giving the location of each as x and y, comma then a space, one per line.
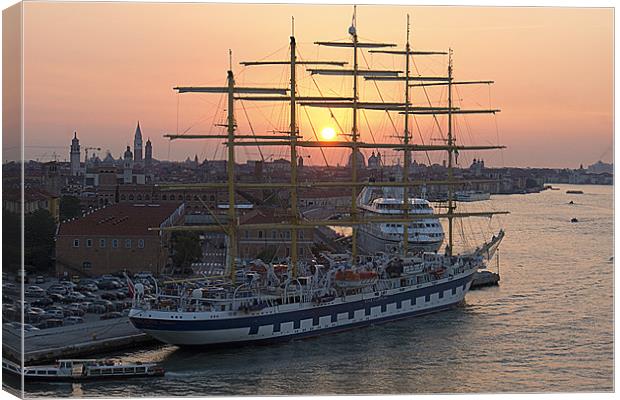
328, 133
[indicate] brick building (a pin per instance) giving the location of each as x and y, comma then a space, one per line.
116, 238
34, 199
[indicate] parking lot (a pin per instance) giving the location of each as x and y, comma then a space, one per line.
51, 302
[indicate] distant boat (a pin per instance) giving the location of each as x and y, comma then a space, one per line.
574, 220
472, 195
574, 191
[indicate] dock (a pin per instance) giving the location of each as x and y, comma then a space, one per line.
73, 341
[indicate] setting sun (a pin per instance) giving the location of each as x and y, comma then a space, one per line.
328, 133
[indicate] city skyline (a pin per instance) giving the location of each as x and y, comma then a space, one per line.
100, 82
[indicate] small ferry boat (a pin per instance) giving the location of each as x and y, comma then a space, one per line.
472, 195
83, 370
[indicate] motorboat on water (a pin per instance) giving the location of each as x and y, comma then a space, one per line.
471, 195
77, 370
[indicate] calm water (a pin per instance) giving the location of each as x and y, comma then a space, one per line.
548, 327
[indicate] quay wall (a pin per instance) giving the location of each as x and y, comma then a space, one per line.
81, 340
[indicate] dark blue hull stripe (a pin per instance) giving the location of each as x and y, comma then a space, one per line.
315, 313
324, 331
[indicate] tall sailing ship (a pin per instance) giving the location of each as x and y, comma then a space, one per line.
263, 302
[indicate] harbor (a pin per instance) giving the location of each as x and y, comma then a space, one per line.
494, 321
347, 216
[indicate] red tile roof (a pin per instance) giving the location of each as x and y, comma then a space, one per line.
30, 194
120, 219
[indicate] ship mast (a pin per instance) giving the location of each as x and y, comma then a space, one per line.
294, 141
407, 155
230, 89
354, 137
451, 206
230, 168
293, 133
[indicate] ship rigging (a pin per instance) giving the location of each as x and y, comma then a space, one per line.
257, 301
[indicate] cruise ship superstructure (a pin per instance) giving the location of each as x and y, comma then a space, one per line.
424, 234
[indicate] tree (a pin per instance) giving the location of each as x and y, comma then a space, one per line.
70, 207
186, 248
11, 240
39, 230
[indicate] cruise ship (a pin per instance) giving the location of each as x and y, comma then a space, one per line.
424, 234
259, 302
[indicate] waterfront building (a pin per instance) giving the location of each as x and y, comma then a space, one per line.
116, 238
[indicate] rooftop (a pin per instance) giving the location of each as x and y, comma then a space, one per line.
120, 219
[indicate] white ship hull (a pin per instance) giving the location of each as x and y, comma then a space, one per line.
373, 242
472, 196
289, 321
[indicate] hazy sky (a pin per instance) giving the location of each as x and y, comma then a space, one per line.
98, 68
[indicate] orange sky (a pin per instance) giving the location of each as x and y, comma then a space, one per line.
97, 68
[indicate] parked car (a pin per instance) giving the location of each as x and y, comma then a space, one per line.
37, 310
57, 289
111, 315
34, 291
108, 284
43, 301
74, 311
87, 287
96, 308
108, 296
111, 278
106, 303
74, 297
51, 323
68, 284
57, 298
39, 279
74, 320
143, 275
60, 314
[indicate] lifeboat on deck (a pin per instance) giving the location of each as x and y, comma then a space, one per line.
352, 279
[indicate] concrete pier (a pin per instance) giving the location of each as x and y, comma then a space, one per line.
81, 340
